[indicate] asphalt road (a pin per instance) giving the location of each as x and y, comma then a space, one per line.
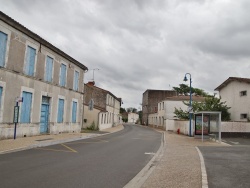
228, 166
106, 161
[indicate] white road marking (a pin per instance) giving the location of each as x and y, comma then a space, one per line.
149, 153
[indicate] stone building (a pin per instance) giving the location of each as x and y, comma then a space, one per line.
106, 107
47, 81
166, 109
150, 100
236, 92
133, 117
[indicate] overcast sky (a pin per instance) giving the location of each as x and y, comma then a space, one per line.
145, 44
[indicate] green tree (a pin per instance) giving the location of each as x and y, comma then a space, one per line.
122, 110
131, 109
140, 116
134, 110
184, 89
210, 104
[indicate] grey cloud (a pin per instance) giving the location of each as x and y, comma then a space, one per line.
139, 45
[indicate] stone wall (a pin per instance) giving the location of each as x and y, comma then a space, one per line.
227, 128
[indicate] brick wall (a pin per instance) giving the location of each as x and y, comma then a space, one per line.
150, 101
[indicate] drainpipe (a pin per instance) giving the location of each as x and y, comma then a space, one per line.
98, 119
82, 115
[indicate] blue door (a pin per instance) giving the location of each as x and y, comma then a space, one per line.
44, 119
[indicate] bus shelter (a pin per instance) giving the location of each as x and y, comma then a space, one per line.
208, 124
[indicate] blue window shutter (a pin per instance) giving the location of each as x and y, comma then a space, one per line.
49, 68
26, 107
76, 80
30, 61
1, 93
3, 43
60, 111
74, 110
63, 75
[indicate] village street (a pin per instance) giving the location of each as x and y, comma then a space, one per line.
106, 161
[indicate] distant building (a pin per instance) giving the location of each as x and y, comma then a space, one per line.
49, 81
132, 117
106, 107
167, 107
236, 92
150, 100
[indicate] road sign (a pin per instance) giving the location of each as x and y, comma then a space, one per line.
19, 99
190, 109
16, 114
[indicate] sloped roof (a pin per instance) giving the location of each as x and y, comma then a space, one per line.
106, 91
39, 39
230, 79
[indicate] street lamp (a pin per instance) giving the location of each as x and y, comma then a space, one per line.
190, 101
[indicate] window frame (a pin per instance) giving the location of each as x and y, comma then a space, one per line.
74, 115
61, 112
4, 47
76, 80
60, 78
8, 33
52, 69
243, 116
243, 93
33, 46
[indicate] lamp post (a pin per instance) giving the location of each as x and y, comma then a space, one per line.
190, 102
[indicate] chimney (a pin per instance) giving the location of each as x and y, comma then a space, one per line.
91, 83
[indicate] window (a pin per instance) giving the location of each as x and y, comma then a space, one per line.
1, 93
49, 69
3, 44
63, 75
243, 93
74, 110
163, 106
30, 61
26, 107
76, 80
155, 109
60, 111
243, 116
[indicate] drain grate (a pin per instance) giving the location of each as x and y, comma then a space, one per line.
45, 139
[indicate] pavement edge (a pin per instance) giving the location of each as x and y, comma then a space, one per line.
56, 142
203, 169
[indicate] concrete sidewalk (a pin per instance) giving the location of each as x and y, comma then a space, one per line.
180, 164
11, 145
